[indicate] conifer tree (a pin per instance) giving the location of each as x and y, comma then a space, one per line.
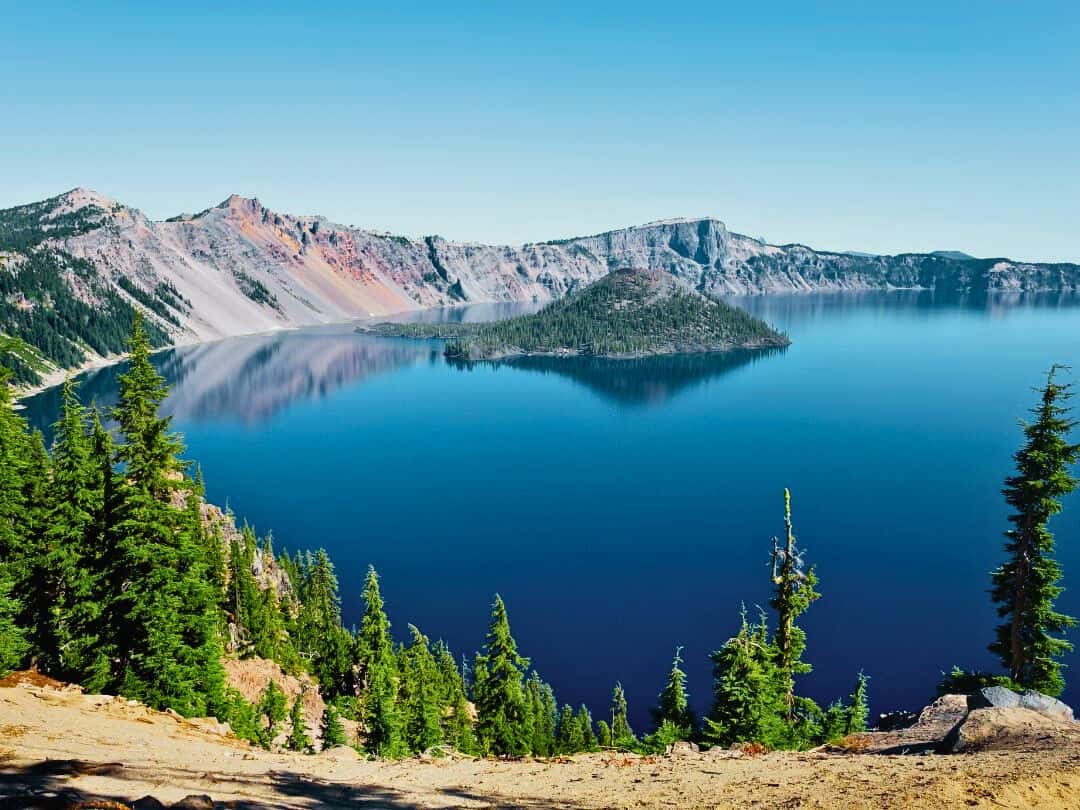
298, 739
331, 729
165, 623
420, 693
542, 709
749, 699
503, 719
321, 636
793, 593
568, 736
622, 736
858, 710
271, 710
1026, 585
603, 734
14, 544
383, 725
62, 603
585, 729
674, 705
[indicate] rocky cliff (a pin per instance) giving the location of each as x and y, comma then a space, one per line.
241, 268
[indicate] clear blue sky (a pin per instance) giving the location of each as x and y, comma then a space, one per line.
928, 125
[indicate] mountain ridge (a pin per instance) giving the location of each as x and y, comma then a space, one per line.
239, 267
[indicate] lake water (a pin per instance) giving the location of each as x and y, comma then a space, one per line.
622, 508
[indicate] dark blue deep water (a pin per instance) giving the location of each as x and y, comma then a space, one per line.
624, 508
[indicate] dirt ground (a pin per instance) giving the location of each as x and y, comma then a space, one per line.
62, 747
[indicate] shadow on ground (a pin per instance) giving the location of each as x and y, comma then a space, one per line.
53, 785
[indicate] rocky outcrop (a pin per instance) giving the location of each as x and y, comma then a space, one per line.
1012, 728
1001, 698
251, 676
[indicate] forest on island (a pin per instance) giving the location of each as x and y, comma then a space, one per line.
627, 312
112, 577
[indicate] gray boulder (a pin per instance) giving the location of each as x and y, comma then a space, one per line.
996, 697
1046, 705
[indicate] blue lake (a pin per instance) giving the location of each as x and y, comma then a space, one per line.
623, 508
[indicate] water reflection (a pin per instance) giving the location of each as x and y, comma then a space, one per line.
249, 380
642, 381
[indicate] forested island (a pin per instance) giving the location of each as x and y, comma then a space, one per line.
628, 313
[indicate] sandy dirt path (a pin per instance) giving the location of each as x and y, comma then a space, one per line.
62, 746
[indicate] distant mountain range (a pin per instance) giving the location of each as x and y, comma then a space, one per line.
75, 267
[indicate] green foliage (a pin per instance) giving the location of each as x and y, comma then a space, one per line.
542, 712
503, 719
319, 634
858, 707
1025, 586
331, 729
420, 694
270, 711
626, 312
298, 739
384, 727
569, 737
966, 682
603, 734
622, 736
793, 593
164, 620
38, 307
749, 695
242, 717
673, 715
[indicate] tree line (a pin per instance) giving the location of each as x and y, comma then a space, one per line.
113, 576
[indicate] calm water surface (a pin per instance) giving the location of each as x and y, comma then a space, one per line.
624, 508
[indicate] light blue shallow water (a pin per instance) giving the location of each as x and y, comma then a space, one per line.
623, 509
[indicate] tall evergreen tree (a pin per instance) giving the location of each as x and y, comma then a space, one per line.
383, 725
321, 636
569, 738
793, 593
858, 711
420, 693
298, 739
164, 618
542, 709
622, 736
63, 602
585, 726
1025, 586
674, 705
749, 698
331, 729
14, 459
503, 719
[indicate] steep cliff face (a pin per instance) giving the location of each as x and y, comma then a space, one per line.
241, 268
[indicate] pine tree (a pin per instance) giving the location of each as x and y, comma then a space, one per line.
603, 734
383, 725
271, 710
622, 736
331, 730
420, 694
542, 710
165, 624
792, 596
321, 635
63, 602
585, 729
674, 705
568, 736
1026, 585
749, 696
298, 739
14, 458
858, 710
503, 719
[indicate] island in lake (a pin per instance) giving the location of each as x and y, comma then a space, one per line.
627, 313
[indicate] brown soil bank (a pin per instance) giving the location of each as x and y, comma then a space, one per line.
63, 749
